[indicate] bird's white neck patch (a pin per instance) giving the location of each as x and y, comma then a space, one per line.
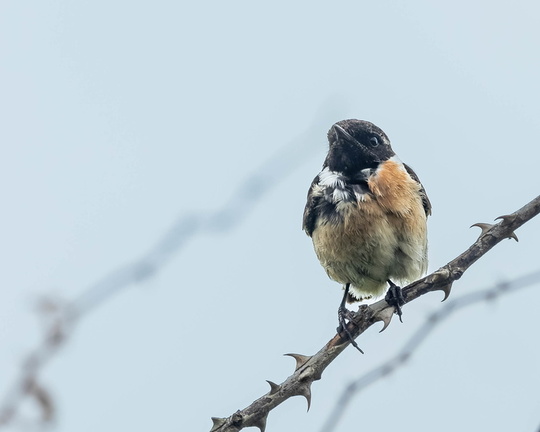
335, 186
331, 178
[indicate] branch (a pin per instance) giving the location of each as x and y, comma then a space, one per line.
310, 368
419, 336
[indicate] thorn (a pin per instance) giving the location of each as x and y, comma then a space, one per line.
513, 236
301, 360
485, 227
508, 219
218, 422
440, 278
305, 390
261, 423
385, 316
446, 290
273, 387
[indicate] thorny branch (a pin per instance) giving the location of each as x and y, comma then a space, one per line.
419, 336
310, 368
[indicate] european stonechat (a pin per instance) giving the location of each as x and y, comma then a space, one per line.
366, 213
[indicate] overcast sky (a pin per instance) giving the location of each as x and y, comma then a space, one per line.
120, 119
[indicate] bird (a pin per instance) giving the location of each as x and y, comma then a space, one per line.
366, 213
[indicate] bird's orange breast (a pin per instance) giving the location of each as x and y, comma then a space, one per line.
399, 194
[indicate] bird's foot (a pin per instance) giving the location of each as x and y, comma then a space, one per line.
345, 315
394, 297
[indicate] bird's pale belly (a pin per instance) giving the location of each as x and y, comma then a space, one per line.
372, 244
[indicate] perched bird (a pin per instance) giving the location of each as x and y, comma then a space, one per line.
366, 213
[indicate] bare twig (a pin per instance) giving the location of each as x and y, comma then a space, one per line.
310, 368
189, 227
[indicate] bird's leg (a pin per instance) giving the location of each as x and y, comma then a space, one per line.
394, 297
345, 314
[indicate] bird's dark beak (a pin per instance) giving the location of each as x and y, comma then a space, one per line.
342, 134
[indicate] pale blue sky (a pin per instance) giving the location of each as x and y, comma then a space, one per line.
119, 118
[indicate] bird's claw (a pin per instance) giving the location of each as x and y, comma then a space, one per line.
394, 297
345, 315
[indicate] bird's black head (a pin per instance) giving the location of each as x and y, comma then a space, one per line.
356, 145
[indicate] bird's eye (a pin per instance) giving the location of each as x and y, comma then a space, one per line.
374, 141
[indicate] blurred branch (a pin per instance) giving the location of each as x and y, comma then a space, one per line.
310, 368
402, 356
62, 318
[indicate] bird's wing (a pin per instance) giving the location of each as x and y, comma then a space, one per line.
425, 200
311, 209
